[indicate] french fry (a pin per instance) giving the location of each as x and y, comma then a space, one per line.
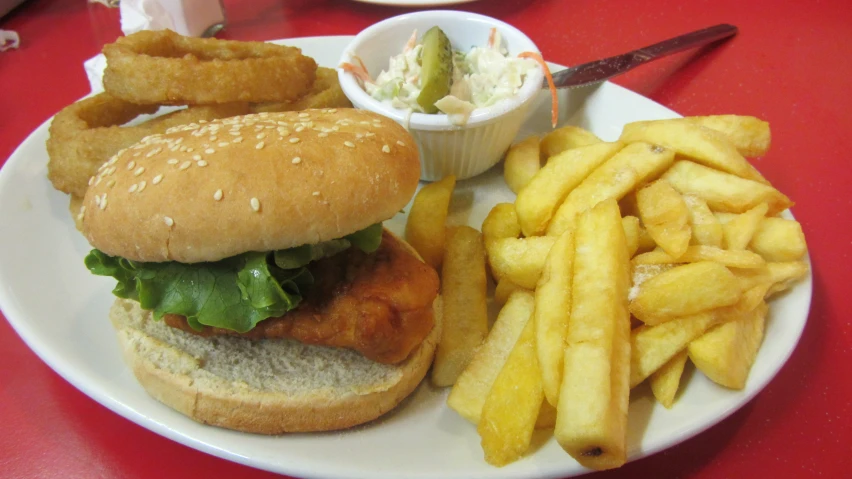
644, 272
591, 420
546, 416
562, 173
705, 146
566, 138
684, 291
630, 167
505, 287
706, 229
779, 239
552, 309
465, 314
501, 222
519, 259
632, 230
468, 395
741, 228
731, 259
512, 407
749, 135
778, 276
522, 163
726, 353
425, 228
666, 218
665, 381
653, 346
723, 191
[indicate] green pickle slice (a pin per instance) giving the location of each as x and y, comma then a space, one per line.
436, 72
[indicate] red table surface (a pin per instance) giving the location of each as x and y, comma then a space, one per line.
790, 65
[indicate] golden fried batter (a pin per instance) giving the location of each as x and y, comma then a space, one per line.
379, 304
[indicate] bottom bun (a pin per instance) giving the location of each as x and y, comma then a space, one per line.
264, 386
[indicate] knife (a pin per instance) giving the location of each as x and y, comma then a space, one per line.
602, 70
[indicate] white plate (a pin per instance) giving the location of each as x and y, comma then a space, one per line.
415, 3
60, 310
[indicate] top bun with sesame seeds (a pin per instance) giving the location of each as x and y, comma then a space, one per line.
263, 182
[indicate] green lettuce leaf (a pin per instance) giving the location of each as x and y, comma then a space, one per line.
368, 239
234, 293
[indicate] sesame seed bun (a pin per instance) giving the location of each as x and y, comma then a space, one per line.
204, 192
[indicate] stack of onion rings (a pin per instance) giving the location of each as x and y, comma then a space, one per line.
324, 93
166, 68
84, 135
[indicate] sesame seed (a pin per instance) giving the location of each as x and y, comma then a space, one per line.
369, 133
304, 115
103, 201
153, 152
238, 139
234, 133
190, 150
137, 154
202, 163
139, 171
184, 165
261, 136
142, 185
182, 148
223, 143
300, 129
214, 138
218, 195
97, 201
259, 145
335, 128
133, 188
322, 135
400, 143
110, 183
168, 221
359, 135
131, 164
157, 179
172, 161
178, 141
297, 160
349, 144
209, 151
386, 149
364, 122
294, 140
315, 193
333, 110
255, 204
196, 157
91, 180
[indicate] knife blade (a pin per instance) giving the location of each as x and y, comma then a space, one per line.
602, 70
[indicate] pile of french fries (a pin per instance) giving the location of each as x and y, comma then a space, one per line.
618, 262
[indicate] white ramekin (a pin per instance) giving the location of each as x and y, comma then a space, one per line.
446, 149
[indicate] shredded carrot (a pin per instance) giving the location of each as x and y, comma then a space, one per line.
492, 36
554, 100
411, 41
360, 71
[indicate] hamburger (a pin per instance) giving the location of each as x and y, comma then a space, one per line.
257, 289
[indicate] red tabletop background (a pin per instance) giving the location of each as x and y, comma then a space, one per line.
791, 64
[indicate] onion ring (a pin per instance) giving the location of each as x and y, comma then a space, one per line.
85, 134
324, 93
166, 68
